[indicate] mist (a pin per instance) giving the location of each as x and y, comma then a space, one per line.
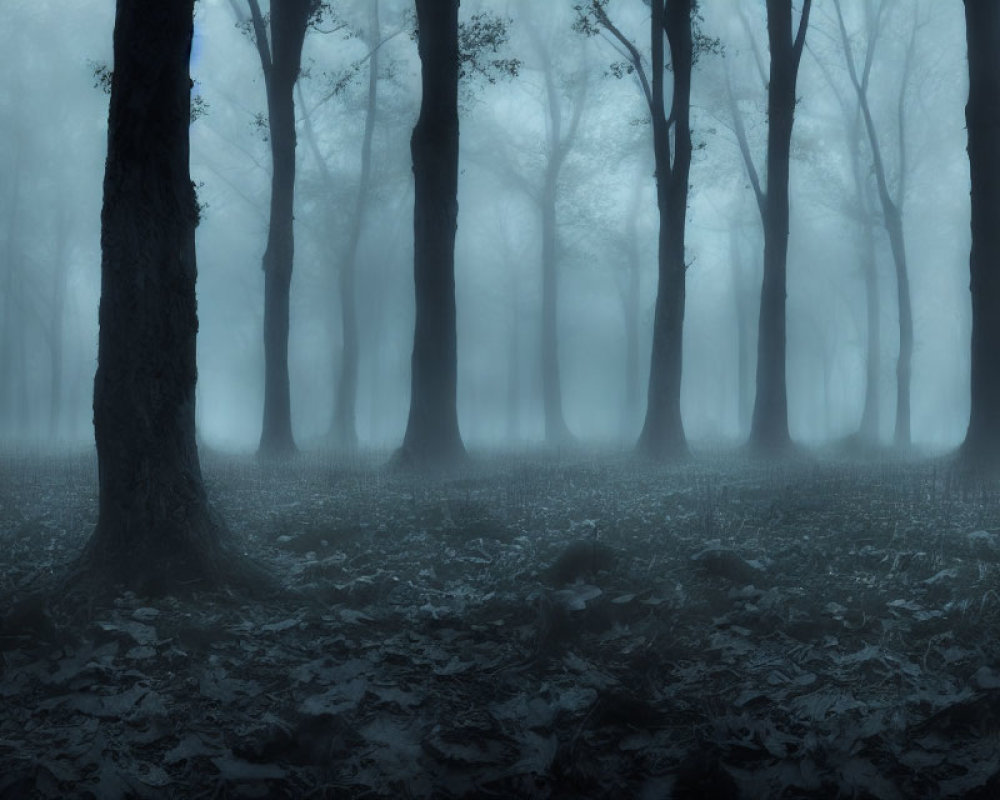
54, 114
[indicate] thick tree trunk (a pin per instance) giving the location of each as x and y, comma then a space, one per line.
769, 428
154, 530
662, 433
288, 26
982, 113
432, 434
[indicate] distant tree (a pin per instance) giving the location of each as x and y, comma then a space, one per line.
891, 202
859, 207
663, 431
343, 427
560, 139
343, 422
155, 532
982, 115
279, 39
769, 425
432, 434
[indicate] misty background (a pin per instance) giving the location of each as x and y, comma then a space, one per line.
53, 120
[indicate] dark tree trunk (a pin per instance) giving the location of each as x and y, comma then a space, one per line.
154, 530
982, 114
432, 434
663, 431
769, 428
281, 66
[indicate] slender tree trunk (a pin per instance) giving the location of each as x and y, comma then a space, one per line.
769, 428
744, 354
57, 311
868, 430
894, 224
344, 423
514, 368
892, 218
288, 26
432, 434
662, 433
11, 282
556, 431
982, 113
154, 531
630, 315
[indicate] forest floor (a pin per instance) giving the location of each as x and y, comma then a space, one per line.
536, 627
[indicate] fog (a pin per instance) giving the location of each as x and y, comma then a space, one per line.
53, 116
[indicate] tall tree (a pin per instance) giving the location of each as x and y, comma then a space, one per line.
432, 434
859, 206
663, 430
343, 425
343, 420
154, 529
769, 426
982, 115
559, 141
280, 51
892, 203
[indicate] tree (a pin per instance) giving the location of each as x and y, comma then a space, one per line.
982, 114
769, 426
432, 434
859, 206
343, 425
663, 430
343, 421
155, 531
892, 204
280, 59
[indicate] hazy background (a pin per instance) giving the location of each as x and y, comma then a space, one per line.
53, 126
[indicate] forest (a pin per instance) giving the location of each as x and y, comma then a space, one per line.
564, 399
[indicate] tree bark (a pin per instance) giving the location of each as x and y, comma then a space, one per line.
662, 433
769, 428
982, 113
281, 70
154, 532
432, 435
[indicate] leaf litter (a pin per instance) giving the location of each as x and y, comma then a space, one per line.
573, 627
